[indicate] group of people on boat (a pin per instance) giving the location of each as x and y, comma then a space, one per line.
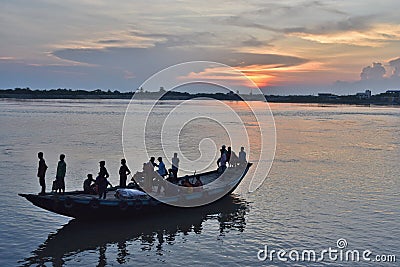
229, 158
152, 171
99, 186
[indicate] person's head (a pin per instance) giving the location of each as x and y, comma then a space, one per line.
123, 161
62, 157
242, 148
90, 176
159, 159
223, 147
102, 163
40, 155
152, 159
175, 155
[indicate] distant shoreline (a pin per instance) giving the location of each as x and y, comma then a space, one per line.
390, 98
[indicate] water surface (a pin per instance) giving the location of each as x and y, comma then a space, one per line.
335, 175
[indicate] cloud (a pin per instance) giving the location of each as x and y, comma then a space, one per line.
144, 62
110, 41
254, 42
395, 64
376, 72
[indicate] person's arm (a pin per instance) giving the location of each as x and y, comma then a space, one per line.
128, 171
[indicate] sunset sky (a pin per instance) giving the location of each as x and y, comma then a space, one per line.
285, 47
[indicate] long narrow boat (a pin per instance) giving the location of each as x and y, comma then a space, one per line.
79, 205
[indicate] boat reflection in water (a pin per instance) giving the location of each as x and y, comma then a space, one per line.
80, 236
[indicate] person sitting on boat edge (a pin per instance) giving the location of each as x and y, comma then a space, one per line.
153, 161
89, 185
162, 171
101, 180
123, 173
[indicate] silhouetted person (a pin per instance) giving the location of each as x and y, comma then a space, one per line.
88, 184
101, 180
148, 173
42, 172
228, 155
242, 156
223, 149
123, 173
162, 171
60, 174
153, 161
222, 161
223, 153
175, 165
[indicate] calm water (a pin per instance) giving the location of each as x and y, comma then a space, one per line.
335, 175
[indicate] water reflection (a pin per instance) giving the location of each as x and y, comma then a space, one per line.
156, 231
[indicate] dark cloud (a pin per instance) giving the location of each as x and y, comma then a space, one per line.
274, 9
395, 64
254, 42
311, 17
376, 72
110, 41
242, 21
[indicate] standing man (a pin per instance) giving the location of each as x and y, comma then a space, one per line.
42, 173
123, 173
60, 174
101, 180
148, 170
175, 165
242, 156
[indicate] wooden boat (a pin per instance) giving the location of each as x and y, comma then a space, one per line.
79, 205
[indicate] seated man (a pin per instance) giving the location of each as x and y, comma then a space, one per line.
88, 187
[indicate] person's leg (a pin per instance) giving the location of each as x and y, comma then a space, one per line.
42, 183
100, 192
62, 185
